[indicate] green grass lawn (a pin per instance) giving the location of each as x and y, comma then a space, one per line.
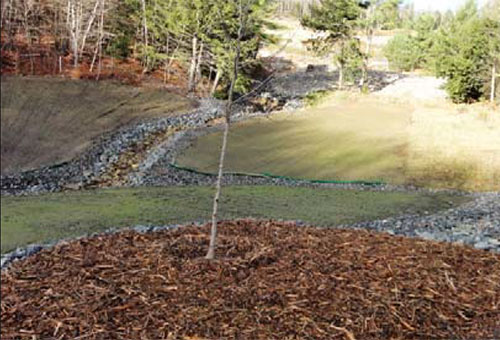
352, 137
340, 140
32, 219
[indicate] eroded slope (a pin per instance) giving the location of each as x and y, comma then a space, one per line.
49, 121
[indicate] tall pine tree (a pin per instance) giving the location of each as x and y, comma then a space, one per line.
336, 21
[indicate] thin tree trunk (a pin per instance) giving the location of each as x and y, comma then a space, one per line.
75, 53
17, 60
362, 81
101, 35
210, 73
192, 68
27, 30
218, 187
165, 64
89, 27
94, 57
493, 82
99, 63
341, 65
198, 65
144, 22
171, 61
165, 71
370, 42
213, 233
72, 22
145, 33
341, 76
216, 82
364, 70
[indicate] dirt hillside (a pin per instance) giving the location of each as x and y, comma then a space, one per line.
48, 121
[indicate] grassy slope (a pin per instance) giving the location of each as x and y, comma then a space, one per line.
347, 141
365, 138
46, 121
32, 219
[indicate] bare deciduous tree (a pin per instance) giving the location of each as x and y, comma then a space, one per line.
80, 19
242, 16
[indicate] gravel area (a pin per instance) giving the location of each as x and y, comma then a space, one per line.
416, 88
297, 85
476, 223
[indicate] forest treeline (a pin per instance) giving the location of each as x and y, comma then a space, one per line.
195, 38
159, 34
463, 47
386, 14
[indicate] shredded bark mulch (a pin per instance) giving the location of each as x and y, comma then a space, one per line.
270, 281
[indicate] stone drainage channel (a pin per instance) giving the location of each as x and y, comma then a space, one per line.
87, 169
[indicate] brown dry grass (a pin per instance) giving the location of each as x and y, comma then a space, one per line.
459, 145
46, 121
272, 281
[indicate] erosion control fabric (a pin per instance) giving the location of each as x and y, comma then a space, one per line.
270, 281
287, 178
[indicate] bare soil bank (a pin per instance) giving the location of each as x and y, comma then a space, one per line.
50, 121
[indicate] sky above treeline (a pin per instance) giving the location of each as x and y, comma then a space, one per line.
440, 5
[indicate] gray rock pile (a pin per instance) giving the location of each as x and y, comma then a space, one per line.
476, 223
297, 85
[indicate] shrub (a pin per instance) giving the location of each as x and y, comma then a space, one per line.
403, 53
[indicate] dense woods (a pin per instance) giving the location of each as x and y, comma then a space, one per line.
48, 36
186, 42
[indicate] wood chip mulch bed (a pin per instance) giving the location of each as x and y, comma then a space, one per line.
271, 281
